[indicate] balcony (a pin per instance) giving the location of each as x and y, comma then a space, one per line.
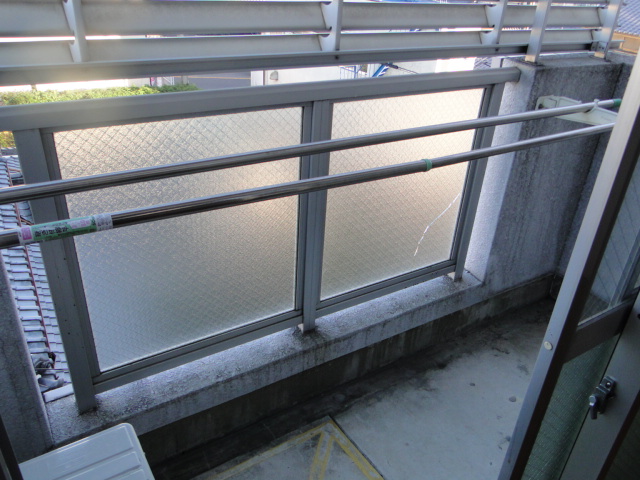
209, 316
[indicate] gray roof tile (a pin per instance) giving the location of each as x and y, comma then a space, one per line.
29, 282
629, 20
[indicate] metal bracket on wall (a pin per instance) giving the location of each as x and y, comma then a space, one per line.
595, 116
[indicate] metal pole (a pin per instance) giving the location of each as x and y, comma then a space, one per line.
603, 36
537, 30
10, 238
107, 69
469, 207
94, 182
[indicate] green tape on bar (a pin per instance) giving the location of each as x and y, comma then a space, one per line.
617, 102
64, 228
428, 163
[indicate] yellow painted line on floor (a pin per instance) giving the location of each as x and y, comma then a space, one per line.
354, 454
360, 461
329, 434
321, 457
303, 437
325, 461
318, 456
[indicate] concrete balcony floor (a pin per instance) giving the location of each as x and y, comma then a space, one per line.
441, 414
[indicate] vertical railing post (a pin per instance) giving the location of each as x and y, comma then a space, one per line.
332, 13
609, 21
79, 48
316, 218
537, 31
62, 271
484, 138
495, 18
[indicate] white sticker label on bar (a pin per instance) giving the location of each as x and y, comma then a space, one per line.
103, 222
64, 228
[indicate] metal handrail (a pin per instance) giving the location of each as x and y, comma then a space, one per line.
10, 238
105, 180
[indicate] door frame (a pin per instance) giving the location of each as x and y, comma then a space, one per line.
608, 194
600, 439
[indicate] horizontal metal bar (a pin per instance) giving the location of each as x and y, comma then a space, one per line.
183, 18
10, 238
193, 351
120, 49
521, 145
523, 16
142, 108
62, 72
598, 329
32, 19
355, 41
396, 16
105, 180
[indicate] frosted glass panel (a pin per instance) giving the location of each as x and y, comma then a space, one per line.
155, 286
379, 230
566, 412
626, 464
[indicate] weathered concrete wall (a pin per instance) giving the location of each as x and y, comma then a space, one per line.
23, 411
531, 197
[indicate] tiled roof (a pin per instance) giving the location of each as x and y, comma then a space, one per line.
629, 20
29, 283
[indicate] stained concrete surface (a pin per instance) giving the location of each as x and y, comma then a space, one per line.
437, 415
315, 452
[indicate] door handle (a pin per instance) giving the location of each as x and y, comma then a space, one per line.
600, 396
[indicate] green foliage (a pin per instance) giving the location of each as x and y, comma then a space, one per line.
36, 96
6, 140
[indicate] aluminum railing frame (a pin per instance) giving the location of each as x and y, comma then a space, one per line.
105, 70
141, 215
36, 145
334, 30
102, 381
106, 180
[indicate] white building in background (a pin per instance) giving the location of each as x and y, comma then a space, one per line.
299, 75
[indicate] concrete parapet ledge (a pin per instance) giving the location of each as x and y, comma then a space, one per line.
194, 388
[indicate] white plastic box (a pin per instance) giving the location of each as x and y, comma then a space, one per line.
112, 454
